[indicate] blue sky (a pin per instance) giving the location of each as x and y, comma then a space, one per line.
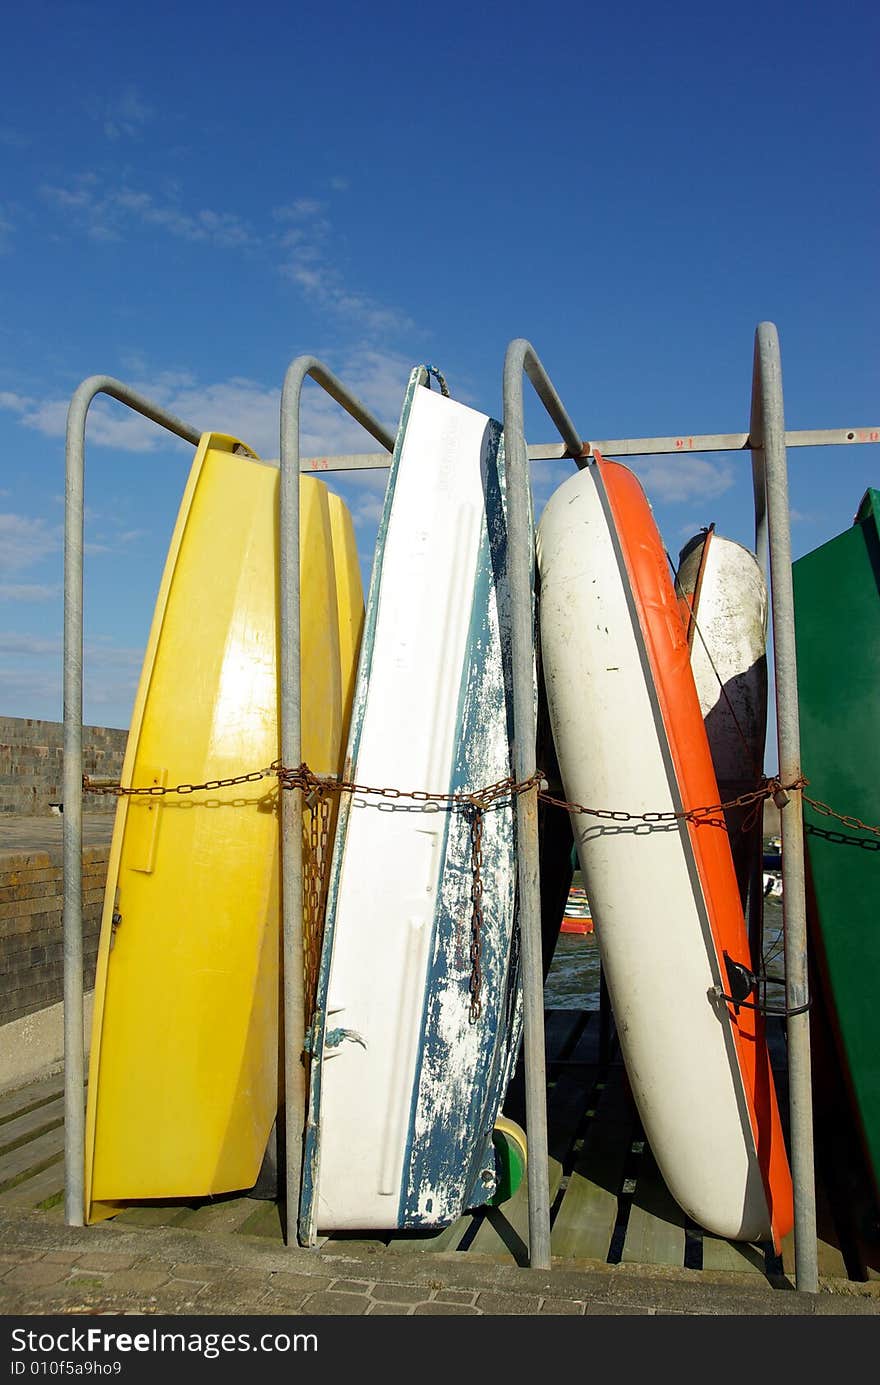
192, 197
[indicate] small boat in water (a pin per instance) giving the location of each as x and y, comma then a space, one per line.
837, 625
419, 1001
772, 884
630, 736
577, 917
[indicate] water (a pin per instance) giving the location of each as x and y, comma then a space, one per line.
573, 979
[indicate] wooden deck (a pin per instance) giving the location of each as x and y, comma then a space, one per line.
608, 1201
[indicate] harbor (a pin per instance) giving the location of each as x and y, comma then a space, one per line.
286, 1060
619, 1243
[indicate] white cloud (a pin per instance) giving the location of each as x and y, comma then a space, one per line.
105, 214
301, 209
681, 478
29, 591
25, 541
12, 643
309, 264
31, 677
248, 409
303, 242
126, 116
322, 284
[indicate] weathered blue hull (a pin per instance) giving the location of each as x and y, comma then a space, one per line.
408, 1073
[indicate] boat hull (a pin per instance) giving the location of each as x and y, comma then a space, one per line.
664, 900
406, 1082
184, 1066
837, 625
724, 608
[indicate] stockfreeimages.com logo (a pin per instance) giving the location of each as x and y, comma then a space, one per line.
88, 1342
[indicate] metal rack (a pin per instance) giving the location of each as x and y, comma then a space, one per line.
766, 440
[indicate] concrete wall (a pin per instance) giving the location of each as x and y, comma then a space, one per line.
32, 759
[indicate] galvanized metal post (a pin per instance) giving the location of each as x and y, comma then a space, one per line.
74, 1074
521, 358
294, 1016
767, 433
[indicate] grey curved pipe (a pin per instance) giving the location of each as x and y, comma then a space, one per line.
74, 1069
521, 359
291, 754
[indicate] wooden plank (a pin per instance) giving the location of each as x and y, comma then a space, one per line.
33, 1191
220, 1217
829, 1255
569, 1096
265, 1221
34, 1122
446, 1239
25, 1099
504, 1231
655, 1228
738, 1256
152, 1214
585, 1222
562, 1032
31, 1158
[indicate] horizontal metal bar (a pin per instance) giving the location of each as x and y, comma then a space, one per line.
627, 447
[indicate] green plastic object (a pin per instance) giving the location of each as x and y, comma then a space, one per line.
509, 1143
837, 622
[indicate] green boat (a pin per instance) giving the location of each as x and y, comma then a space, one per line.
837, 620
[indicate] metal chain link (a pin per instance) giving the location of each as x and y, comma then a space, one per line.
476, 978
318, 790
316, 833
159, 790
303, 778
772, 788
847, 821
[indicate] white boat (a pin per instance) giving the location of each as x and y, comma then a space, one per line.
419, 1004
666, 911
723, 598
772, 884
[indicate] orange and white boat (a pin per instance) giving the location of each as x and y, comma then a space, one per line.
577, 917
630, 736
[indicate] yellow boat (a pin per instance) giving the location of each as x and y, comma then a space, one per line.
184, 1066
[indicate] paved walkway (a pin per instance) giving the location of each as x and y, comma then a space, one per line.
19, 833
47, 1267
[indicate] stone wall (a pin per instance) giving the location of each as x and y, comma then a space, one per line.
32, 764
31, 935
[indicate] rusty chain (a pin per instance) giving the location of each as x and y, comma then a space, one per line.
318, 790
159, 790
771, 788
303, 778
847, 821
476, 979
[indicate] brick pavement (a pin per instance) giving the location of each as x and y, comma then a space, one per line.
49, 1268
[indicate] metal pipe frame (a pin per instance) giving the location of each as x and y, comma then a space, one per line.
767, 441
631, 447
773, 539
294, 1017
74, 1064
521, 359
